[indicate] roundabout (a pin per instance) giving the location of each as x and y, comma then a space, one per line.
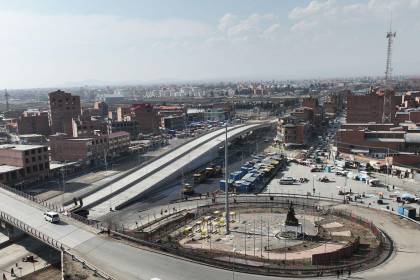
276, 235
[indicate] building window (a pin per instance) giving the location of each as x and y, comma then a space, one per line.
32, 151
41, 167
45, 149
35, 168
26, 153
27, 160
28, 170
40, 150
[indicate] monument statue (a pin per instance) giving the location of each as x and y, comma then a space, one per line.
291, 219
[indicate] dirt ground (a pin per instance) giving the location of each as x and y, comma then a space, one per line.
73, 270
50, 273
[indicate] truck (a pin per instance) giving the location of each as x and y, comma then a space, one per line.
187, 189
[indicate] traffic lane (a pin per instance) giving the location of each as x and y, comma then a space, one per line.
26, 212
149, 168
157, 178
134, 263
404, 263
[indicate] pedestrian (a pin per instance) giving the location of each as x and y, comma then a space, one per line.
393, 187
338, 274
349, 273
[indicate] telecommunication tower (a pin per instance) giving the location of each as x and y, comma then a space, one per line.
388, 69
387, 107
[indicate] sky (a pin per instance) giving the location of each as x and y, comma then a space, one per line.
46, 43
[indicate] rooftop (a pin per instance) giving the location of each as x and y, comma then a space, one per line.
7, 168
18, 147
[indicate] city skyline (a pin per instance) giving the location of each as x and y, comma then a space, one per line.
55, 44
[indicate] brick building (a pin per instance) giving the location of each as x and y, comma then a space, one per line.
368, 107
33, 122
102, 108
147, 118
174, 122
63, 108
89, 150
132, 127
88, 127
27, 163
123, 114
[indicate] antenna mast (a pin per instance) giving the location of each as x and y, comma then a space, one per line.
387, 110
388, 69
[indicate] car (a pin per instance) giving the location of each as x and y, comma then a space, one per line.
287, 181
341, 173
52, 217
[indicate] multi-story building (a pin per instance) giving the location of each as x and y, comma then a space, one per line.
89, 150
88, 127
28, 163
33, 122
368, 107
147, 118
174, 122
123, 114
63, 108
118, 143
132, 127
102, 108
86, 150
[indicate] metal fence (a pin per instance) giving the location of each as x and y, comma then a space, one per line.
51, 206
52, 242
275, 268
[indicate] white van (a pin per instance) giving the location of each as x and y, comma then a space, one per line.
52, 217
287, 181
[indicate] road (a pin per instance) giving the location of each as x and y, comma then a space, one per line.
126, 262
166, 169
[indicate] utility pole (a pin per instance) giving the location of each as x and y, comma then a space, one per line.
226, 181
64, 185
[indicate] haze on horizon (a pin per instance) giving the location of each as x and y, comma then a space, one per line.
51, 43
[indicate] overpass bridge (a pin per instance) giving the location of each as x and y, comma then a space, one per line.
151, 177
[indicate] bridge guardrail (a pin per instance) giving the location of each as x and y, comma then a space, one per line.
200, 256
51, 206
51, 242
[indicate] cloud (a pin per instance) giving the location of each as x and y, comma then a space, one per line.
314, 7
94, 29
253, 25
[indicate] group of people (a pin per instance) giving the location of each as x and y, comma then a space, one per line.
340, 272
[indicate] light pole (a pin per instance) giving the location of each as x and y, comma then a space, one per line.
227, 218
64, 185
233, 264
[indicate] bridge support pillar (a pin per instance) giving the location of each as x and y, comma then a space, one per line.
10, 231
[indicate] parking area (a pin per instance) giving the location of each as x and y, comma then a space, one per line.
369, 194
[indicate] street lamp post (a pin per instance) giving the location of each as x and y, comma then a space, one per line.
233, 264
227, 218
